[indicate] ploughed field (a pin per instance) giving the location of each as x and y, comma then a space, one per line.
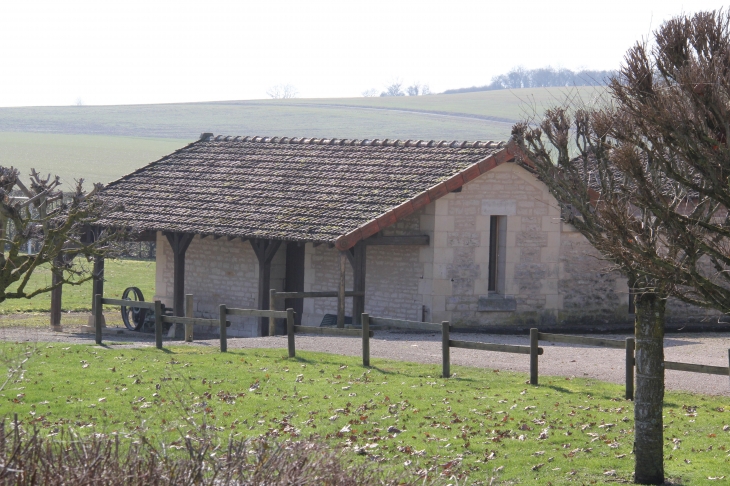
479, 424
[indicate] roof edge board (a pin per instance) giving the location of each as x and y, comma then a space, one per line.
347, 241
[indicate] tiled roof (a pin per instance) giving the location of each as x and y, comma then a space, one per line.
294, 189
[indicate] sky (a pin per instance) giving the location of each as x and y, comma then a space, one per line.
129, 52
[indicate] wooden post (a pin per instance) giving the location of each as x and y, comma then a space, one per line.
445, 352
189, 313
341, 292
365, 320
179, 242
158, 324
98, 309
533, 356
358, 280
290, 331
97, 287
222, 311
265, 251
272, 306
630, 346
56, 298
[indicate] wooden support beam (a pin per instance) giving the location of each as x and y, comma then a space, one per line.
179, 242
422, 240
341, 291
265, 251
294, 280
359, 251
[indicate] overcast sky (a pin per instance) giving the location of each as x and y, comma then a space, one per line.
120, 52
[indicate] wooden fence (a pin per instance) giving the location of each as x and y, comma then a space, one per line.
276, 296
446, 342
369, 324
629, 345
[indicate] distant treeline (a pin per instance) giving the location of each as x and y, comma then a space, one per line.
520, 77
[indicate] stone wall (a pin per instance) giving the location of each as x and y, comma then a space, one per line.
461, 250
218, 272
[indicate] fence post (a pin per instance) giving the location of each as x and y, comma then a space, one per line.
445, 353
533, 355
272, 306
188, 313
728, 360
158, 324
365, 320
630, 346
98, 309
222, 311
290, 331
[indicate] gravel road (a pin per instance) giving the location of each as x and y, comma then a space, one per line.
558, 359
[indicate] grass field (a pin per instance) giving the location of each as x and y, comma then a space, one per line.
478, 424
102, 143
95, 158
119, 275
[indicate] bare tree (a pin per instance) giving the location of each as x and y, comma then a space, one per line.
282, 91
370, 93
60, 226
651, 189
414, 89
394, 89
425, 90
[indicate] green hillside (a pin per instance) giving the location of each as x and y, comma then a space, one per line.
102, 143
95, 158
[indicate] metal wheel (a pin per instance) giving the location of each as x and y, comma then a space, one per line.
133, 317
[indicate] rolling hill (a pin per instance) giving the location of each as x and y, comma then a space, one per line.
102, 143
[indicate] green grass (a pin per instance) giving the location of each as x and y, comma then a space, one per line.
477, 424
95, 158
119, 274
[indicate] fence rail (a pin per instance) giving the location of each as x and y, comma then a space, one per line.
369, 323
697, 368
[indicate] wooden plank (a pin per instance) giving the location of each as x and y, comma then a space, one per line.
420, 240
402, 324
256, 313
129, 303
697, 368
308, 295
329, 331
586, 341
194, 321
500, 348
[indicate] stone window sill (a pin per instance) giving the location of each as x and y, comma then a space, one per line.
496, 303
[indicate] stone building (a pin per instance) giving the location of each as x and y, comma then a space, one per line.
429, 231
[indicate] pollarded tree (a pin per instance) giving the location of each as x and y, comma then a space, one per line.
60, 225
651, 187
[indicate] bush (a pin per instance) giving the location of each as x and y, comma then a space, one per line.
29, 459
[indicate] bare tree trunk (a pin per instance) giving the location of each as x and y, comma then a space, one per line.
649, 398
